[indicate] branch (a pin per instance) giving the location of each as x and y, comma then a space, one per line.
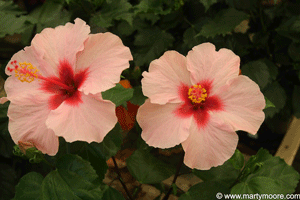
120, 178
175, 177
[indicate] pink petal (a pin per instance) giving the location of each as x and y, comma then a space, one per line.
210, 146
3, 100
33, 56
89, 121
205, 63
165, 78
62, 42
243, 104
161, 127
105, 57
27, 124
18, 91
23, 92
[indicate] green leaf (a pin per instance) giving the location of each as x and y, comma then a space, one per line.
255, 162
73, 179
50, 14
3, 112
96, 157
276, 94
11, 19
237, 160
151, 44
112, 194
208, 3
294, 51
261, 185
223, 23
269, 104
296, 101
27, 35
205, 191
75, 164
34, 155
243, 4
259, 72
140, 143
118, 94
138, 97
6, 143
273, 69
265, 174
225, 174
174, 187
29, 186
9, 7
290, 28
97, 3
150, 6
10, 24
7, 181
147, 169
111, 143
190, 39
116, 10
125, 29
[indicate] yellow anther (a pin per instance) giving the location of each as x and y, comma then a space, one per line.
197, 94
26, 72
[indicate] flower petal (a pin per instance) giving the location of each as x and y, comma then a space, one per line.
23, 92
165, 77
210, 146
27, 124
161, 127
89, 121
205, 63
62, 42
18, 91
3, 100
243, 104
105, 57
30, 55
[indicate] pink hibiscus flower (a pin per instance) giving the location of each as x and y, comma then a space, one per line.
199, 101
56, 83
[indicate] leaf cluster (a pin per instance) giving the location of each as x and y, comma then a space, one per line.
262, 174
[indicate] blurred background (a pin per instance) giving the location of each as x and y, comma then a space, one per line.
265, 34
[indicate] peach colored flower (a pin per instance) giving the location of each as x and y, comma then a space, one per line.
199, 101
55, 86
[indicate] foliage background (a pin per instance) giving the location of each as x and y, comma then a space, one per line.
264, 33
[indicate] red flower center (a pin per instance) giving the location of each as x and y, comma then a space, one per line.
64, 87
197, 102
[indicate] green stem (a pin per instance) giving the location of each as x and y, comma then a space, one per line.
120, 179
136, 191
175, 176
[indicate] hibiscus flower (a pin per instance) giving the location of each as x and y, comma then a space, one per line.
199, 101
55, 86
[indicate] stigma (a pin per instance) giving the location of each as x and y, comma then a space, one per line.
197, 94
24, 71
